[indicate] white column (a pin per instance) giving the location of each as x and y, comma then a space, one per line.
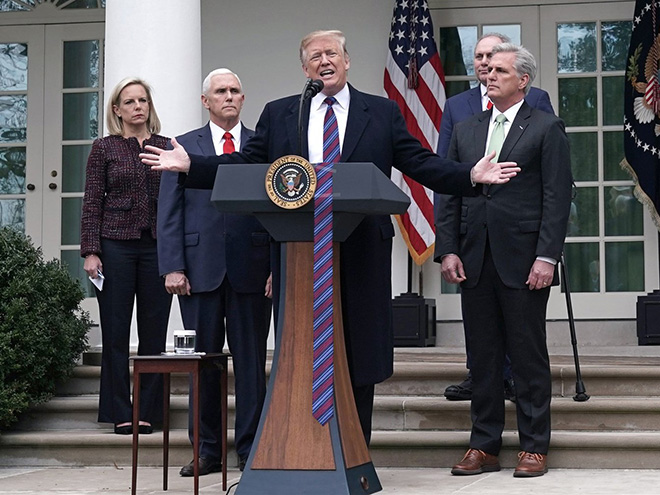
159, 41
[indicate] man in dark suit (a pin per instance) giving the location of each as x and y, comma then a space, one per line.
503, 247
218, 264
457, 109
371, 129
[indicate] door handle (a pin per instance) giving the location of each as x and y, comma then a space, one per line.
52, 186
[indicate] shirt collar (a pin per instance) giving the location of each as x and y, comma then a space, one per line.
343, 99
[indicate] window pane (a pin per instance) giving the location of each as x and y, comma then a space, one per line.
13, 119
12, 213
584, 155
510, 30
454, 87
612, 156
615, 38
583, 266
74, 264
576, 47
624, 266
13, 66
623, 213
613, 100
583, 220
577, 101
10, 5
81, 64
74, 160
457, 50
71, 212
447, 288
12, 170
80, 116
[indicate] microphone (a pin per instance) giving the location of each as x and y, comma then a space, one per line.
312, 88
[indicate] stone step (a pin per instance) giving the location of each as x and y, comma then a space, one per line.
601, 376
391, 413
569, 449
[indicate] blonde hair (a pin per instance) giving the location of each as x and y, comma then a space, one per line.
115, 125
332, 33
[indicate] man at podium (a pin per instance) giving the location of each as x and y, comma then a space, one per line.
371, 129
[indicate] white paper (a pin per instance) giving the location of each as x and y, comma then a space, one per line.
98, 281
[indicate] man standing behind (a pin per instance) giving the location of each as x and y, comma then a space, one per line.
218, 264
457, 109
503, 247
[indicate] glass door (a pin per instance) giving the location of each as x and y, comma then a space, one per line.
611, 250
21, 128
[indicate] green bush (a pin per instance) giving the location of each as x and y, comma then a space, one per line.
43, 331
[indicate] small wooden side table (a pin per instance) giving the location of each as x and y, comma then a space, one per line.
180, 363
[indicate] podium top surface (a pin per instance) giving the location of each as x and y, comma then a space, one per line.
357, 188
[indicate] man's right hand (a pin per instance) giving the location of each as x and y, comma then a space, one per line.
177, 283
174, 160
452, 269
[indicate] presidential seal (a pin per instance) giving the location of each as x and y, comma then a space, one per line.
290, 182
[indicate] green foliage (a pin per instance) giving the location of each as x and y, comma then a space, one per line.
43, 331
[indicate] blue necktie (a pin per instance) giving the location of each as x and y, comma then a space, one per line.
323, 366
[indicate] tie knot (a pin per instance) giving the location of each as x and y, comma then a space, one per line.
228, 136
500, 119
330, 101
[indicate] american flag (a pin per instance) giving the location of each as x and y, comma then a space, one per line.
415, 80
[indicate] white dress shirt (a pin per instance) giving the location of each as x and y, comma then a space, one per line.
218, 136
317, 111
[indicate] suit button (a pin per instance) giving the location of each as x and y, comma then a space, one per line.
488, 196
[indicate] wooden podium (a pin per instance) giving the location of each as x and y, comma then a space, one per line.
292, 452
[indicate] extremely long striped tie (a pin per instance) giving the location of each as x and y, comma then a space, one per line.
323, 366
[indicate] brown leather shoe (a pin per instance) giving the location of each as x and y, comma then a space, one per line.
531, 465
476, 462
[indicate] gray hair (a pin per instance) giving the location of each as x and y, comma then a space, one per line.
525, 62
218, 72
502, 37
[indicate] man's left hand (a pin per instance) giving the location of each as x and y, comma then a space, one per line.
540, 276
487, 172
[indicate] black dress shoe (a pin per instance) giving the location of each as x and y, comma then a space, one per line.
462, 391
206, 466
124, 430
241, 463
145, 429
509, 389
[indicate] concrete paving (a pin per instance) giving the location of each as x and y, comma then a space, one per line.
117, 480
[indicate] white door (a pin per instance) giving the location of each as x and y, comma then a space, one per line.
50, 113
611, 253
21, 128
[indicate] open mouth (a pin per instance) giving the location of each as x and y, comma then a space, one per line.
327, 72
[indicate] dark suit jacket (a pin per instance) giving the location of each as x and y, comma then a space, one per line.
464, 105
375, 132
522, 219
208, 245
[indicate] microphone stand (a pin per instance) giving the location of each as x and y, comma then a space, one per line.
303, 100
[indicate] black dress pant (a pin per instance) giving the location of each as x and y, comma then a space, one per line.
512, 321
131, 276
245, 318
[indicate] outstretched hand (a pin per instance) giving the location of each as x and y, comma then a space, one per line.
488, 172
174, 160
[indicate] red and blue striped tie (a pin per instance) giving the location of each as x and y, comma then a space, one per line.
323, 367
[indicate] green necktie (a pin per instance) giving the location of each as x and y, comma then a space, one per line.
497, 136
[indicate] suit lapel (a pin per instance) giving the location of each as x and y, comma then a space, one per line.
205, 141
291, 120
516, 131
474, 101
358, 119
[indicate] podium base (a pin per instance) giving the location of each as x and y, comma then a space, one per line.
354, 481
